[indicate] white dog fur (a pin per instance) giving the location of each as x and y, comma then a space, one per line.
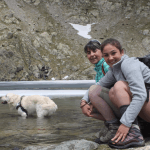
41, 105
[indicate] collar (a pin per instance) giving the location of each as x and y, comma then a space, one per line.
119, 62
19, 105
98, 66
100, 63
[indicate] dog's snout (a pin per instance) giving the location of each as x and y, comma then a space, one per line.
4, 102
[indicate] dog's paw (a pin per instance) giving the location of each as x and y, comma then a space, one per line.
24, 114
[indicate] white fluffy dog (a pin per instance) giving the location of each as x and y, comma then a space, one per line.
27, 105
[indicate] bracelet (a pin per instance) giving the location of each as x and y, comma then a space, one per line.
82, 101
85, 104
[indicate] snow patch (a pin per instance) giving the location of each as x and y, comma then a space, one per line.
83, 30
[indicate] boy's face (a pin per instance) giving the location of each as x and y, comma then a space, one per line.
94, 56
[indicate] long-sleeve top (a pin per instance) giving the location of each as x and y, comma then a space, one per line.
136, 74
98, 69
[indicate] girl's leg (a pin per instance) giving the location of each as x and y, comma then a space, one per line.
145, 112
121, 97
120, 94
102, 107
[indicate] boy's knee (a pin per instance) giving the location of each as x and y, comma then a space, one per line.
111, 93
94, 91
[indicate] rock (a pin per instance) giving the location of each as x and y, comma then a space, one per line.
146, 43
36, 43
77, 145
37, 2
68, 145
19, 68
145, 32
64, 49
46, 36
10, 35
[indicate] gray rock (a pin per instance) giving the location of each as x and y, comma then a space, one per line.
10, 35
77, 145
68, 145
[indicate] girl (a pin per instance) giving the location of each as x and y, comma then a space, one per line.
126, 80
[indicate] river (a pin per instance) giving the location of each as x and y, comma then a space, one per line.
67, 123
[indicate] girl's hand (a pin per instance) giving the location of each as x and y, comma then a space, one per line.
121, 133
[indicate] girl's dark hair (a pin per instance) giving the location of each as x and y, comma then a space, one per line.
113, 42
92, 45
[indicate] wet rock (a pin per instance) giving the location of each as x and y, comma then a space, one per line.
77, 145
68, 145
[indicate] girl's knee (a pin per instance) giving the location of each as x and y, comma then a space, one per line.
120, 85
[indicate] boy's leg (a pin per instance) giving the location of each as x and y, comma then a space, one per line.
98, 95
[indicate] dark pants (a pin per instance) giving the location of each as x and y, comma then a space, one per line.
144, 126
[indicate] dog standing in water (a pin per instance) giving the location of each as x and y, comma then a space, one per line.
28, 105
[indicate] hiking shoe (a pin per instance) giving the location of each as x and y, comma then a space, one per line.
102, 132
109, 134
112, 129
134, 138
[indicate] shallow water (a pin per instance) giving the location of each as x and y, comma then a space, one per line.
68, 123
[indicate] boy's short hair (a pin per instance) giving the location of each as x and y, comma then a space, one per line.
92, 45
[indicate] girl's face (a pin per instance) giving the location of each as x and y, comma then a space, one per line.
112, 54
94, 56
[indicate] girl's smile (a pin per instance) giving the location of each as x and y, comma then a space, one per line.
112, 54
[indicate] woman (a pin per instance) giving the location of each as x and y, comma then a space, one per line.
93, 52
126, 80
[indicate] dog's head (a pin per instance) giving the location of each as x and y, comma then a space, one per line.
7, 98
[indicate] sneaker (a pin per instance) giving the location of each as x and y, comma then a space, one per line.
134, 138
109, 133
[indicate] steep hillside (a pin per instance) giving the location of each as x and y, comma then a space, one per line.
38, 41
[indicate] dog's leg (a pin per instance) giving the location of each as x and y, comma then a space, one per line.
23, 114
39, 111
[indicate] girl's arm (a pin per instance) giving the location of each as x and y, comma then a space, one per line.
133, 74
